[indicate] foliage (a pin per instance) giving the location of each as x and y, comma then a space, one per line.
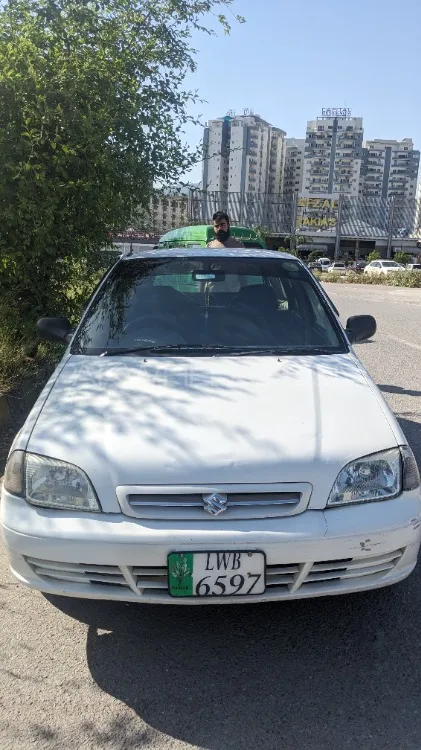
291, 250
92, 110
261, 231
293, 242
402, 258
374, 255
18, 356
410, 279
315, 255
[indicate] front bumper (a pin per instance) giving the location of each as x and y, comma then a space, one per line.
111, 556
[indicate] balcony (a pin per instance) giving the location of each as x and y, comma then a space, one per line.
318, 170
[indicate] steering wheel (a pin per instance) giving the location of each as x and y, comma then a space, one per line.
150, 320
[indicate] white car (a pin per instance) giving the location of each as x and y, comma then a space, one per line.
383, 267
210, 436
337, 267
325, 263
413, 267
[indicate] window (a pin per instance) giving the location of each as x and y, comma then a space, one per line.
217, 304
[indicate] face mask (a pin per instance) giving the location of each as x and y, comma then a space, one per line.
222, 235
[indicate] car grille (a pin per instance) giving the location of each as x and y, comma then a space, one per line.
188, 504
284, 580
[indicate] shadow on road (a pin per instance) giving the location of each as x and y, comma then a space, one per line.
324, 673
397, 389
320, 673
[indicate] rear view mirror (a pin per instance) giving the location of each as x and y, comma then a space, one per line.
208, 275
55, 329
360, 328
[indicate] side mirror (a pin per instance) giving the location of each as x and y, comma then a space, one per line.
55, 329
360, 328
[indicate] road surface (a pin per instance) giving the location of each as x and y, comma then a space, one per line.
328, 673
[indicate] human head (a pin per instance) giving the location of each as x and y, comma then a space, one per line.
221, 225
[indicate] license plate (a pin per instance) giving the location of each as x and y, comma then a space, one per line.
230, 573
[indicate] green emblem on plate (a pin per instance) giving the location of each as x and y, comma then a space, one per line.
180, 573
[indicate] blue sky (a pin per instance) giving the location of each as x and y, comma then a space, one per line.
294, 57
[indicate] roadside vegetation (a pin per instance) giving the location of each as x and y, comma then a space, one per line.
410, 279
93, 106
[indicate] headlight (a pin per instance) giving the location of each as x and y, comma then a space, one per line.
49, 483
375, 477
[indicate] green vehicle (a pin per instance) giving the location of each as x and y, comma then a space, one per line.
200, 235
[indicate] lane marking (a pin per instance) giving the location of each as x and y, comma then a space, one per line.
401, 341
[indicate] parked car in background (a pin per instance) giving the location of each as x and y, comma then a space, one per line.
358, 266
208, 436
337, 267
315, 266
413, 267
325, 263
383, 267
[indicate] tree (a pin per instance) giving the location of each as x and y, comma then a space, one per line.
402, 258
315, 255
294, 241
374, 255
92, 109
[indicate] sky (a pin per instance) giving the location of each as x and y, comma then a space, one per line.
293, 57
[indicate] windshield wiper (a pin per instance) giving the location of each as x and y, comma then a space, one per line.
140, 349
185, 348
217, 349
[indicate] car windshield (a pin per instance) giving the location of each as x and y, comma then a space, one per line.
209, 305
416, 266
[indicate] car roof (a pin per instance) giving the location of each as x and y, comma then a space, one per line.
209, 252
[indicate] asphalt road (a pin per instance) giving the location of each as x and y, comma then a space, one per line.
328, 673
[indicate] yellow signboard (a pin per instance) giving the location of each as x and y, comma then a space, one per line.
317, 213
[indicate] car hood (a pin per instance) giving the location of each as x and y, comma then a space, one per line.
212, 420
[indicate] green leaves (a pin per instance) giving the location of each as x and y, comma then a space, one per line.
92, 115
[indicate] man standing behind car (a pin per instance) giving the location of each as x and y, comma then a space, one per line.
221, 227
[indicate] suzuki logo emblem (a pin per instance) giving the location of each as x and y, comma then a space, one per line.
215, 503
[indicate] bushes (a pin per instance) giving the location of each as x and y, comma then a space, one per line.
402, 258
410, 279
21, 352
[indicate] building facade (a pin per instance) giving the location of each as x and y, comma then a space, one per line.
389, 169
243, 154
294, 167
168, 211
333, 156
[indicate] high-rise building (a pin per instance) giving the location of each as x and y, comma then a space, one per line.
333, 155
168, 210
294, 166
243, 154
389, 169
